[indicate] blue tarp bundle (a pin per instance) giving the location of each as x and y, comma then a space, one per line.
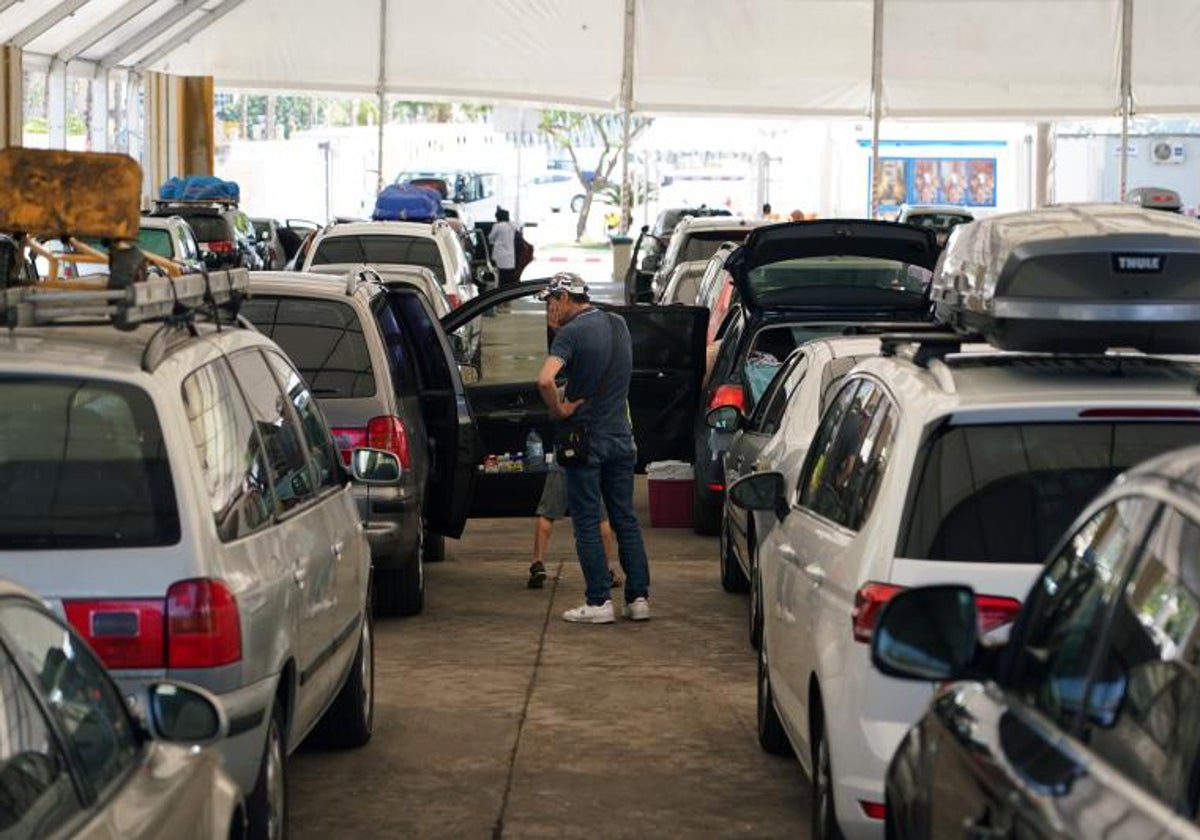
199, 188
407, 202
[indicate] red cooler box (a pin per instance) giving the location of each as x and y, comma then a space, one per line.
670, 490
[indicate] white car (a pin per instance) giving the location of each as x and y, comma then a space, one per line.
698, 238
941, 218
775, 437
684, 283
939, 463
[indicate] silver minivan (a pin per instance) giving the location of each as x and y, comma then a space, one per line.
174, 493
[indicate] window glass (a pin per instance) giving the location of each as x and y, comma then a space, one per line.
231, 457
282, 440
701, 245
210, 228
769, 411
400, 353
1005, 493
322, 454
81, 696
432, 368
37, 795
771, 347
1146, 688
816, 463
323, 337
833, 280
156, 241
391, 249
1067, 606
849, 468
82, 465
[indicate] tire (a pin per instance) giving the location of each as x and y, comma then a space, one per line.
434, 547
705, 520
771, 736
733, 579
401, 591
348, 723
266, 808
824, 814
755, 610
576, 203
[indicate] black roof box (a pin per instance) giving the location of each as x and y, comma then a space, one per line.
1074, 278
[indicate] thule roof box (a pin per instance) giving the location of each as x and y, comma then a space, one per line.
1074, 278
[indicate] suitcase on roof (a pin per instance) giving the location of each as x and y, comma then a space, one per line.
407, 202
1074, 279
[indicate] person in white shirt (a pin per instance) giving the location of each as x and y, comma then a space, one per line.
503, 238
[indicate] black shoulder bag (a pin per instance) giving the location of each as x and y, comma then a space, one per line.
573, 442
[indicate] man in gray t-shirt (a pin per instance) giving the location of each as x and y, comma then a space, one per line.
592, 348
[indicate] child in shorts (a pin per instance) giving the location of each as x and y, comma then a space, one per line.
552, 506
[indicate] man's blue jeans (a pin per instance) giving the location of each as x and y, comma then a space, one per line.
606, 483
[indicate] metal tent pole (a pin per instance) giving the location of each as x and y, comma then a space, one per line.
382, 90
1126, 88
876, 101
626, 113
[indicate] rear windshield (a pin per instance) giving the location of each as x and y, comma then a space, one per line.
397, 250
1006, 493
937, 221
324, 339
210, 228
840, 281
156, 241
701, 245
82, 465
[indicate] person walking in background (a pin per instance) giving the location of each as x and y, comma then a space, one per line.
594, 350
503, 237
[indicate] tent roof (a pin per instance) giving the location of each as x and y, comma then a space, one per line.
940, 58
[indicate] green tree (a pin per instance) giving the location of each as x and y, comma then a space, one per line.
572, 130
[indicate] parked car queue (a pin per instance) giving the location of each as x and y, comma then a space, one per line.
897, 495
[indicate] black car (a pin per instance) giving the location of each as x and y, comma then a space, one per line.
795, 282
225, 234
1084, 723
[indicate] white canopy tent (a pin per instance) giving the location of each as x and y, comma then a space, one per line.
938, 58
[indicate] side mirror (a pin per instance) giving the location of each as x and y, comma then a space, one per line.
374, 466
725, 418
469, 374
645, 228
760, 491
928, 633
185, 714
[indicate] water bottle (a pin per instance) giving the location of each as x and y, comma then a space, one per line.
503, 462
535, 454
519, 462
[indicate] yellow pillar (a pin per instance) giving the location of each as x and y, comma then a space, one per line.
179, 127
12, 111
196, 125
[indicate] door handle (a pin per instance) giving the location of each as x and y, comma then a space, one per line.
336, 548
788, 553
815, 573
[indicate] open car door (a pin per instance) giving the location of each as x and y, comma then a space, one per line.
453, 439
637, 280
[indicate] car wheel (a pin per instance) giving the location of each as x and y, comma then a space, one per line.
732, 577
267, 806
771, 736
706, 519
434, 547
824, 815
576, 203
401, 591
350, 720
755, 609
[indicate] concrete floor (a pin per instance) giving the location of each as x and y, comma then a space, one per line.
495, 718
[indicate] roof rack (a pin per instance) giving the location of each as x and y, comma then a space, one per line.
155, 299
905, 327
161, 203
921, 348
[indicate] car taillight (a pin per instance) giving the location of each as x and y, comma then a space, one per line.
388, 433
203, 626
873, 810
993, 611
220, 246
455, 300
124, 634
734, 395
869, 602
347, 440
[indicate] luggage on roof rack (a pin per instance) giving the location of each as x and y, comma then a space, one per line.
407, 203
199, 188
1074, 278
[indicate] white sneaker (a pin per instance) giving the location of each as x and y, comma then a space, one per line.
637, 610
588, 614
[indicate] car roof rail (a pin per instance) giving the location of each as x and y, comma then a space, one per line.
174, 300
926, 350
363, 274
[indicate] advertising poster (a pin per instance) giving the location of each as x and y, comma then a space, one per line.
966, 182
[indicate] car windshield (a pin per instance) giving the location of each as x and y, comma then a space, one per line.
838, 281
390, 249
1006, 492
156, 241
323, 337
82, 465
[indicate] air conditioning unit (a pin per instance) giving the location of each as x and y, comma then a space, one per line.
1167, 151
